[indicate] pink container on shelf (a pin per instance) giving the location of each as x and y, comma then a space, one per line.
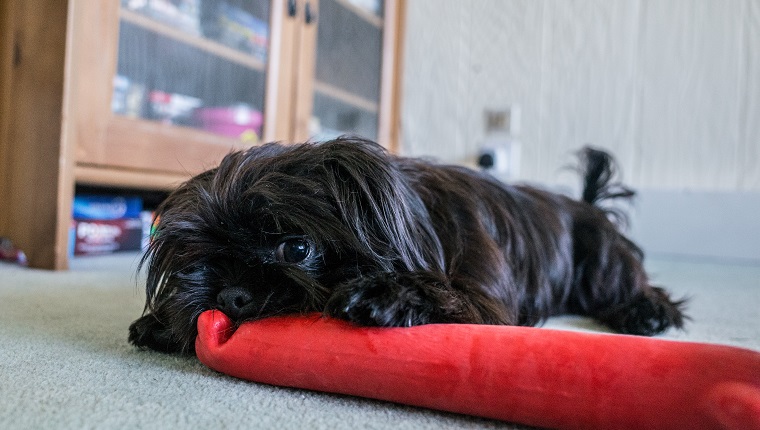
238, 121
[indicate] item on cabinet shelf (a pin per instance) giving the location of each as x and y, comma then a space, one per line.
8, 252
238, 121
88, 207
236, 28
119, 98
181, 14
128, 97
172, 108
104, 224
106, 236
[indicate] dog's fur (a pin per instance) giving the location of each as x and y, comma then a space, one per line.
346, 229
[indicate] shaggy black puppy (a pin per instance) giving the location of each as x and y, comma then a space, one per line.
346, 229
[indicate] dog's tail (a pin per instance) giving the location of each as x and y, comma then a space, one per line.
599, 171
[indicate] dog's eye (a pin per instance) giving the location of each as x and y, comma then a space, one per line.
292, 251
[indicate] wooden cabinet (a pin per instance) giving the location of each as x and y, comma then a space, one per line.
141, 94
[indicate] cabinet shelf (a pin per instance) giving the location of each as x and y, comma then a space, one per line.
138, 179
206, 45
345, 97
140, 144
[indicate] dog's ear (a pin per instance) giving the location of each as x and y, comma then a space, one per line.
175, 218
375, 200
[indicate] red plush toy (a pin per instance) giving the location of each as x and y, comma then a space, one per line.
538, 377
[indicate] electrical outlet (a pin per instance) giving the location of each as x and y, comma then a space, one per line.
500, 151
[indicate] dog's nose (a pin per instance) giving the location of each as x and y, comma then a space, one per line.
232, 300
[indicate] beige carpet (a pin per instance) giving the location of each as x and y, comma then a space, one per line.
65, 362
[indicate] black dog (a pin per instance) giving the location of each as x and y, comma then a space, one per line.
346, 229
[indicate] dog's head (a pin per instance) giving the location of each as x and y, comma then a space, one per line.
273, 229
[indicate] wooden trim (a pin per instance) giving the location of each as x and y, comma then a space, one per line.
304, 75
392, 74
278, 104
6, 67
209, 46
140, 179
93, 57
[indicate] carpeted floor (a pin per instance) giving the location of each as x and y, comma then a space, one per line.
65, 362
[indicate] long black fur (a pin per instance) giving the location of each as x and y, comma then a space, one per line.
346, 229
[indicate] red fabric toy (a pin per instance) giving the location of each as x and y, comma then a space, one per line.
539, 377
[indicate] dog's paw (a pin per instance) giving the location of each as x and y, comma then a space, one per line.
149, 332
396, 300
647, 314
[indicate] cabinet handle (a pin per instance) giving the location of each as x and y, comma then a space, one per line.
292, 9
309, 16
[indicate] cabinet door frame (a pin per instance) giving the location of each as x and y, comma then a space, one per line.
394, 14
117, 150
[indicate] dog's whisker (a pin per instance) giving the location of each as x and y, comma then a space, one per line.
264, 305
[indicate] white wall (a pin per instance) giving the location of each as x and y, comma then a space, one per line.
672, 87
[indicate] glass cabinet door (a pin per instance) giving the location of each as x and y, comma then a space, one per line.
348, 69
194, 63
